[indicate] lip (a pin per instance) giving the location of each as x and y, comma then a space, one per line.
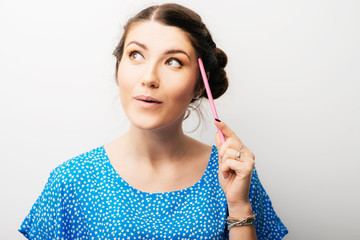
147, 101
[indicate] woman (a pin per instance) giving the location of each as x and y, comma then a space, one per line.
155, 182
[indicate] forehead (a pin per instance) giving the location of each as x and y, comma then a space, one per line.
156, 35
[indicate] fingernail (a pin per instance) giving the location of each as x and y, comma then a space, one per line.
218, 120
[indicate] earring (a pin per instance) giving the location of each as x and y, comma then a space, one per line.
197, 97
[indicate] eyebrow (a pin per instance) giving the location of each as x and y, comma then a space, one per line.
137, 43
171, 51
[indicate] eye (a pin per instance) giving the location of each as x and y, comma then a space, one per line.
174, 62
136, 56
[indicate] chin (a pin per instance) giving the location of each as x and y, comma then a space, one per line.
146, 122
155, 122
146, 126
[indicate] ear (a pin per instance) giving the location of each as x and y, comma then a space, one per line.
200, 88
116, 71
198, 91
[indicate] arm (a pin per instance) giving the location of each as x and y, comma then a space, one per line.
235, 178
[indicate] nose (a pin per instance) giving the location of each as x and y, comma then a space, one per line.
150, 76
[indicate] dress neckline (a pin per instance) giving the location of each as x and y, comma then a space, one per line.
142, 193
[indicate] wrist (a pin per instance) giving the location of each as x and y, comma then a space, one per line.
240, 210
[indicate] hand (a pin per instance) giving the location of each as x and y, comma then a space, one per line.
234, 173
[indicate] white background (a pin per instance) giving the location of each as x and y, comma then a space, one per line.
294, 70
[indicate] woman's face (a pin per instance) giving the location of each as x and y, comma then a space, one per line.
156, 75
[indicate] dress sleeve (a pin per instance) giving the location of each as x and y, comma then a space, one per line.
44, 219
50, 216
267, 224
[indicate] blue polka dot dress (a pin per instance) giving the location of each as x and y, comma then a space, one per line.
85, 198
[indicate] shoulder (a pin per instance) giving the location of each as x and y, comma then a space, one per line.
199, 149
56, 207
80, 165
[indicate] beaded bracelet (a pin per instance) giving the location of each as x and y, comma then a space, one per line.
235, 222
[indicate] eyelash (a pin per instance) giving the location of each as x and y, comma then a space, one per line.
180, 62
133, 52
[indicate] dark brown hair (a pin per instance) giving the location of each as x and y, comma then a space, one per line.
172, 14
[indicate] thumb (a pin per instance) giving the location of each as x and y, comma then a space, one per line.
217, 141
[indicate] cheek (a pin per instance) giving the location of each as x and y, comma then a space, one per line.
125, 80
183, 92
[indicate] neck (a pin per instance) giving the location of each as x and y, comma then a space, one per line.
156, 146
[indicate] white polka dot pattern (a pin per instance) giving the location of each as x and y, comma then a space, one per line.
85, 198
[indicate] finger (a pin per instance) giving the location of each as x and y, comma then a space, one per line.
218, 141
242, 169
225, 129
247, 153
229, 154
245, 158
230, 143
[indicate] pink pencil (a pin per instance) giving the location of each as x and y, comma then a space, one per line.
211, 100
